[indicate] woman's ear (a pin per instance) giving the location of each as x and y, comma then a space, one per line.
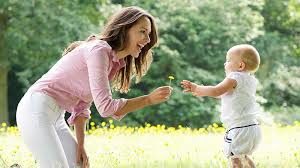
242, 66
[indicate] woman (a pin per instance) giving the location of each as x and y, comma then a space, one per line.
83, 75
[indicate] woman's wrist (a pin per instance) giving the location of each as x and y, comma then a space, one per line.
80, 145
148, 100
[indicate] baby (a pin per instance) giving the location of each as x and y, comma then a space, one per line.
239, 109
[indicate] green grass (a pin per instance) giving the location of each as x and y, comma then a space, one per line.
158, 147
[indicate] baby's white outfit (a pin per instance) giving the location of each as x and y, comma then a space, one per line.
239, 112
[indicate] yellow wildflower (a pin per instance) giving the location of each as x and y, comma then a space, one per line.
170, 79
4, 124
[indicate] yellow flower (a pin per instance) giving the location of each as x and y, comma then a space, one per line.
170, 78
215, 125
4, 124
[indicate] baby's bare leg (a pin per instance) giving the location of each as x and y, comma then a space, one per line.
236, 163
250, 161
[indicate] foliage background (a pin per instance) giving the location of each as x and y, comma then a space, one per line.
194, 38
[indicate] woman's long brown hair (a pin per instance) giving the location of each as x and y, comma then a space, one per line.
115, 34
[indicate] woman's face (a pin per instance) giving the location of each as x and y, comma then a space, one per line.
138, 36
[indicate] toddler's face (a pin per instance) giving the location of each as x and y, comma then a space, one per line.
233, 62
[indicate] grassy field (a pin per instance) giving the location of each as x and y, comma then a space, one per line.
160, 147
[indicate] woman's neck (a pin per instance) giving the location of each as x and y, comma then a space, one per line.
121, 54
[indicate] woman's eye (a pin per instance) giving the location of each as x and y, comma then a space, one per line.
145, 32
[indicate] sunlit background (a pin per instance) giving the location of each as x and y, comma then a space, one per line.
194, 37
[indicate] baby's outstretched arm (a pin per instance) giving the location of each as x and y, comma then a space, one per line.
213, 91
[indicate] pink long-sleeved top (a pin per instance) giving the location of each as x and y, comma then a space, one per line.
81, 77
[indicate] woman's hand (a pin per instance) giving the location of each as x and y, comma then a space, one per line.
81, 157
160, 94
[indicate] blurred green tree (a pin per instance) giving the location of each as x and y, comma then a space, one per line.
33, 35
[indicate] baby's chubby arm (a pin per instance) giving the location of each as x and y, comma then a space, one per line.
213, 91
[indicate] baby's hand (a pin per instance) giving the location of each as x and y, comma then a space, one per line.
188, 86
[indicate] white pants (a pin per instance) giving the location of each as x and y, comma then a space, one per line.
45, 132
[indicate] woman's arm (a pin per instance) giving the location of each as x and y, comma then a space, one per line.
159, 95
98, 65
79, 124
81, 156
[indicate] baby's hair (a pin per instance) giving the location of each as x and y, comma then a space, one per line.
75, 44
249, 56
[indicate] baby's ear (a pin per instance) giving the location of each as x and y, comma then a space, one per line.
242, 66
